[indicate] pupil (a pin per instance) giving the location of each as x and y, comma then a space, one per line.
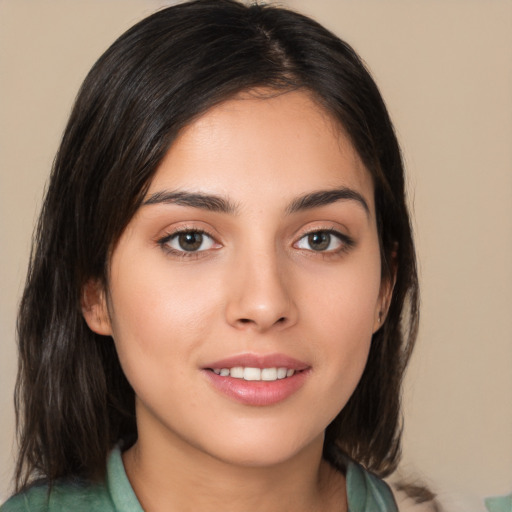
190, 241
319, 241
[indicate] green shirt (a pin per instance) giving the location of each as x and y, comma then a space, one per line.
366, 493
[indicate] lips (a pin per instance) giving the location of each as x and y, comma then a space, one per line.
257, 380
259, 361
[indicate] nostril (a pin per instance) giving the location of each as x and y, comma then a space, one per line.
244, 321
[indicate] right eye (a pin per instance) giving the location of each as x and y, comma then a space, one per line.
325, 241
188, 241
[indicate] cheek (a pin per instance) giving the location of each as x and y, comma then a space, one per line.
152, 299
347, 299
158, 318
342, 308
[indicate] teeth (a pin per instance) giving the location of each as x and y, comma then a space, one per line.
252, 374
248, 373
269, 374
237, 372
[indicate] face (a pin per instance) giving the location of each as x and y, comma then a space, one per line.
244, 293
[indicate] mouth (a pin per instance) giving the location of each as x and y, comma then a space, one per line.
257, 380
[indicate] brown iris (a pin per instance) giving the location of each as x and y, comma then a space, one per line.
319, 241
190, 241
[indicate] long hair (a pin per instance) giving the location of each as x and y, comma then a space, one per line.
73, 402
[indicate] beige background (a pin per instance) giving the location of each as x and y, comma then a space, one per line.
445, 69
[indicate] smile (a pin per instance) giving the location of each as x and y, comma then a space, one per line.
255, 374
257, 379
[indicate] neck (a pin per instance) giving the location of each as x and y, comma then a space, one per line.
180, 477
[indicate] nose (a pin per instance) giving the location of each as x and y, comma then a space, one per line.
260, 294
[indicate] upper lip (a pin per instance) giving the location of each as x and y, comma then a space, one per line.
259, 361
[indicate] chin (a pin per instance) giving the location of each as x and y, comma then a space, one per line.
263, 451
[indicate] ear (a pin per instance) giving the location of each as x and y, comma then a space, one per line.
386, 293
94, 308
381, 311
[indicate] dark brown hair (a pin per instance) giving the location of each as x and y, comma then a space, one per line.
73, 402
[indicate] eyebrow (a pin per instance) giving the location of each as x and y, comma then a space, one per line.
208, 202
326, 197
215, 203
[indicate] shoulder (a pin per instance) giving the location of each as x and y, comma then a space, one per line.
114, 494
64, 496
366, 491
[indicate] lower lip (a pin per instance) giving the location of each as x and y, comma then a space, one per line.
259, 393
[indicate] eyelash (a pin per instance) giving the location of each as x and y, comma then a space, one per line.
346, 242
169, 237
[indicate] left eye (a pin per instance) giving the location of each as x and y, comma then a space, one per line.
190, 241
321, 241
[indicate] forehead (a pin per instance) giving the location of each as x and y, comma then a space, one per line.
284, 143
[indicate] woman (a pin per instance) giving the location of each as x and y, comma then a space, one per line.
222, 297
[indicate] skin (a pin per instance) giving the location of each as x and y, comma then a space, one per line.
256, 286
